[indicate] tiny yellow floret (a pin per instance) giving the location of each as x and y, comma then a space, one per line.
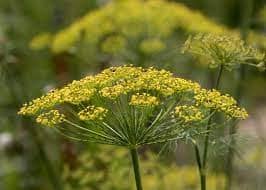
143, 99
188, 113
227, 50
222, 103
92, 113
51, 118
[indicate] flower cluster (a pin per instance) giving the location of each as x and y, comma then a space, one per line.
111, 100
226, 50
92, 113
143, 100
133, 30
188, 113
51, 118
129, 20
222, 103
74, 93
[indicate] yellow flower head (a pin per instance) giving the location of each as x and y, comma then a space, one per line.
143, 99
188, 113
227, 50
51, 118
109, 104
222, 103
129, 20
92, 113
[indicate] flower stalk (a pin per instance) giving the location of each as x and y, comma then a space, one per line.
202, 166
201, 171
135, 163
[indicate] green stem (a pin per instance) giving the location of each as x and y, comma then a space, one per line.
232, 130
201, 171
206, 140
219, 76
135, 162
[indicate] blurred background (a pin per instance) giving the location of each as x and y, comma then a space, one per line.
35, 58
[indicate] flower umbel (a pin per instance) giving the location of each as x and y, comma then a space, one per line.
92, 113
214, 100
143, 100
129, 106
51, 118
122, 21
188, 113
227, 50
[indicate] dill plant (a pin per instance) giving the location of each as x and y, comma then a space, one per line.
144, 33
131, 106
128, 21
226, 52
134, 31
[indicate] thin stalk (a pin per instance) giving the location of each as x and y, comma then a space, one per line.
135, 162
201, 171
206, 140
219, 76
232, 131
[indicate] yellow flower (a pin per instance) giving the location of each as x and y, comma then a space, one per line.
227, 50
223, 103
131, 20
118, 91
51, 118
116, 81
188, 113
92, 113
143, 99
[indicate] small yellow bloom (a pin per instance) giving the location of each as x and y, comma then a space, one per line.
51, 118
227, 50
143, 99
92, 113
223, 103
188, 113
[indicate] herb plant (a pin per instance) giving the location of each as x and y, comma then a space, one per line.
131, 106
